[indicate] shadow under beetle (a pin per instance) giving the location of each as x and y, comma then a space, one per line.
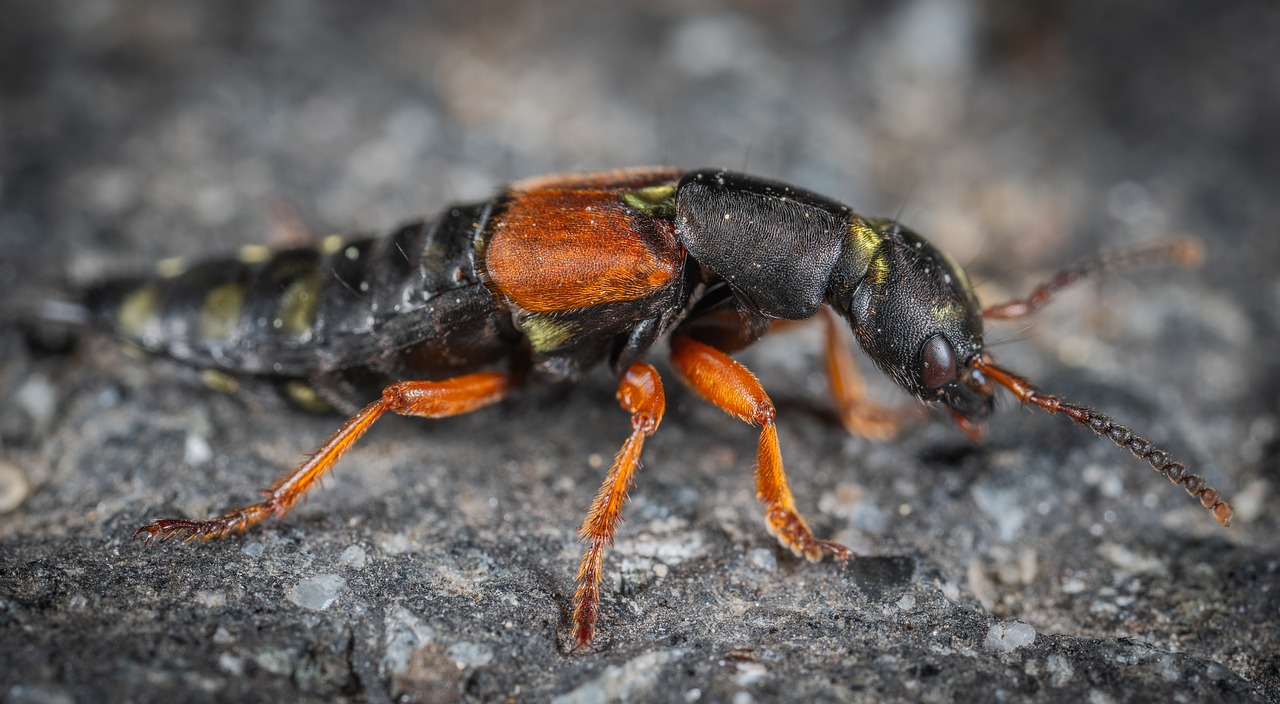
559, 273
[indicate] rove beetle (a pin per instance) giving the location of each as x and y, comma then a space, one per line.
559, 273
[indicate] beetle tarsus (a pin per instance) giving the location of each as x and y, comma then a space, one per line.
431, 399
640, 393
168, 528
733, 389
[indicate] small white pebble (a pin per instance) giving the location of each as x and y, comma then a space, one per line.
252, 549
317, 593
764, 559
231, 664
1008, 637
907, 602
196, 450
396, 544
353, 556
1073, 585
37, 398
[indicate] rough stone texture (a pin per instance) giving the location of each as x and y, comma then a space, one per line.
437, 563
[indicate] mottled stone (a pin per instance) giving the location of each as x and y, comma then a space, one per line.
437, 562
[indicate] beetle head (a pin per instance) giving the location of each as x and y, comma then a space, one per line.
916, 316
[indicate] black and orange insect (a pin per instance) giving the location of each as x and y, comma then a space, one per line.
558, 274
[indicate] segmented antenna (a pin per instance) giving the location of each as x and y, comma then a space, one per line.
1122, 436
1185, 252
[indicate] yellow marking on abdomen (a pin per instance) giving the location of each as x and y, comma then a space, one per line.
137, 309
171, 267
220, 312
253, 254
219, 381
297, 311
306, 397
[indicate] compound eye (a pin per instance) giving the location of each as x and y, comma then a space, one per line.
937, 362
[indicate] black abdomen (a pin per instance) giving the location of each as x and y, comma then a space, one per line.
404, 303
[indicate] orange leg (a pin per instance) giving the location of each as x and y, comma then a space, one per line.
859, 414
736, 391
429, 399
640, 394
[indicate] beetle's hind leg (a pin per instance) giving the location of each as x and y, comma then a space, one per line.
430, 399
640, 393
735, 390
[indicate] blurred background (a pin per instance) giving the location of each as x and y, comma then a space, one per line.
1017, 136
1001, 128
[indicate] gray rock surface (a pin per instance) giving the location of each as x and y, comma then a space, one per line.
437, 563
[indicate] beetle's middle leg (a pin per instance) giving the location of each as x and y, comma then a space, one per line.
735, 390
429, 399
639, 393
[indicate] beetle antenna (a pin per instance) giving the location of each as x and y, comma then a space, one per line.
1020, 335
1186, 252
1122, 436
897, 219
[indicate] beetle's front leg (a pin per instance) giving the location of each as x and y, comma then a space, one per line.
859, 414
735, 390
639, 393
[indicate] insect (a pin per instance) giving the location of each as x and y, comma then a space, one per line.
558, 274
